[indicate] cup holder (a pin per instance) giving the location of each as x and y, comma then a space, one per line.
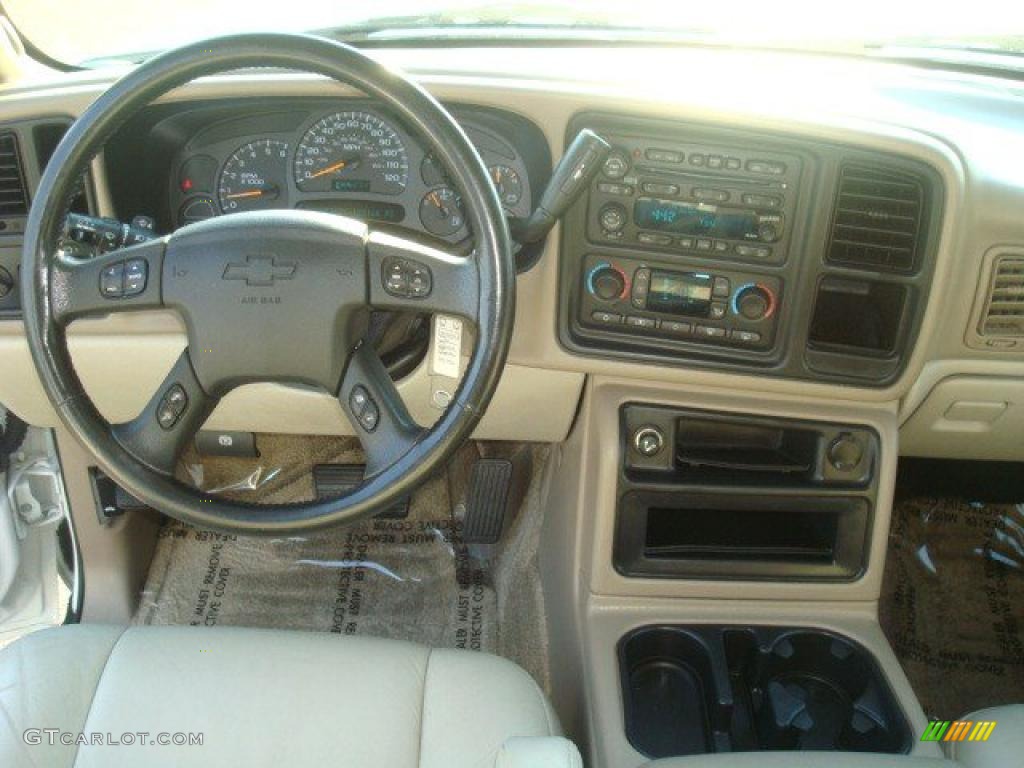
819, 691
693, 690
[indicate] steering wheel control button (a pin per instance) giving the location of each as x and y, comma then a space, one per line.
406, 279
358, 400
370, 417
364, 408
172, 406
112, 281
648, 441
135, 273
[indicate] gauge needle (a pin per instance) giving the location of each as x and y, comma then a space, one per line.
436, 200
329, 169
270, 189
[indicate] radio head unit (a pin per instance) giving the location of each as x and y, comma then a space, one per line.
695, 199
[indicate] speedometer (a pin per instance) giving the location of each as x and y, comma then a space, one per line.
352, 152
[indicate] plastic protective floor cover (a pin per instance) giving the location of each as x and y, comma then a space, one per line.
409, 579
953, 602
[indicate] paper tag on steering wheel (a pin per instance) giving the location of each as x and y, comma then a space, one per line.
447, 356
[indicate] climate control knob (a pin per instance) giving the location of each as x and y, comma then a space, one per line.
607, 283
613, 217
753, 301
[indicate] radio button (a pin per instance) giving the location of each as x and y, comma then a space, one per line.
716, 195
745, 337
718, 310
652, 238
698, 159
622, 190
653, 188
640, 322
709, 332
612, 217
721, 246
720, 288
715, 161
664, 156
766, 167
686, 242
768, 232
606, 318
733, 163
676, 327
616, 165
753, 251
762, 201
703, 244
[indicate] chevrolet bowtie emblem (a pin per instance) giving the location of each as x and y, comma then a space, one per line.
260, 270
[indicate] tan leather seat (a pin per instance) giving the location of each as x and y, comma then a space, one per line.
801, 760
266, 698
1004, 748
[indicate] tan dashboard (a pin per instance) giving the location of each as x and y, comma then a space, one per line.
959, 385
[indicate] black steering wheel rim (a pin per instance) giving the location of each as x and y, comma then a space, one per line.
44, 290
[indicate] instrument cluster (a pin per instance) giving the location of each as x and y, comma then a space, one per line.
350, 160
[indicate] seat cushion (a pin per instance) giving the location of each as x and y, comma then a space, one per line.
801, 760
1003, 748
258, 698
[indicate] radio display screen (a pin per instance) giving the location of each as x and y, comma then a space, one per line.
680, 293
691, 219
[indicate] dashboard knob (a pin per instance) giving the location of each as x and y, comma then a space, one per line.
616, 165
607, 283
768, 233
754, 302
613, 217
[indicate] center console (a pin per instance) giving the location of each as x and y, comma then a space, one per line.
743, 251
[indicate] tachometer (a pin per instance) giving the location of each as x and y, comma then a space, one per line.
352, 152
254, 177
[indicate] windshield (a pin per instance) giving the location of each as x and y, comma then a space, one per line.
99, 32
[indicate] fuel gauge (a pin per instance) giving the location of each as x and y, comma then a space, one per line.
508, 183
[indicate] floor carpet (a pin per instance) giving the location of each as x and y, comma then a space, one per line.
409, 579
953, 602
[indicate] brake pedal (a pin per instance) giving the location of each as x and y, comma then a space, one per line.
331, 480
487, 501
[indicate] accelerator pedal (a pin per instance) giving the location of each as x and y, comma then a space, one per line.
487, 501
331, 480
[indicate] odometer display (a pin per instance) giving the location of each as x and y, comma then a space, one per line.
352, 152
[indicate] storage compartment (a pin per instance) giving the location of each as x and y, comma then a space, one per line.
701, 535
733, 496
694, 690
858, 315
741, 534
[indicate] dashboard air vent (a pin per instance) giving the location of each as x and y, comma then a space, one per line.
877, 219
13, 197
1004, 310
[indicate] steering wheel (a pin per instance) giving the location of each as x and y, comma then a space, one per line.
270, 296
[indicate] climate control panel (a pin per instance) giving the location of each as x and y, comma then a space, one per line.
636, 296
